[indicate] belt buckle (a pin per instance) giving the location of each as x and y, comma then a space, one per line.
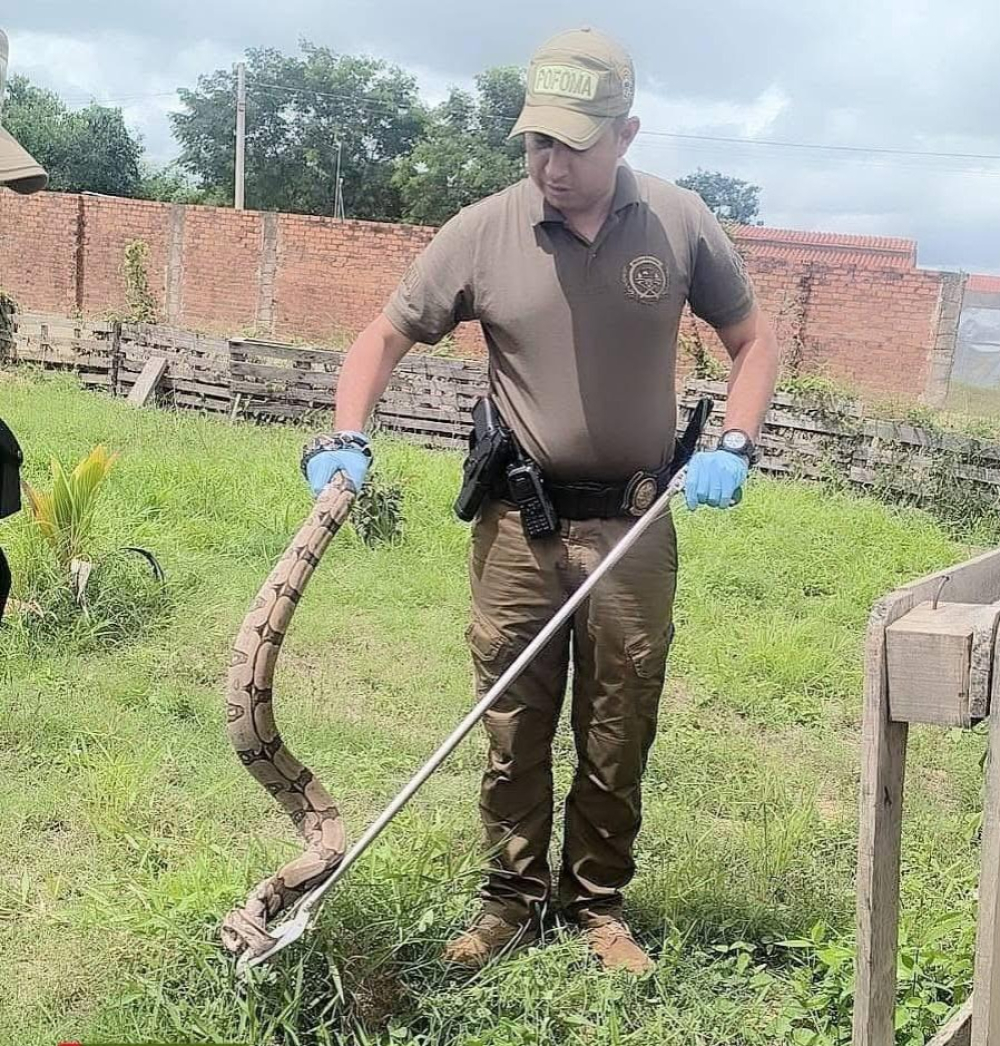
640, 493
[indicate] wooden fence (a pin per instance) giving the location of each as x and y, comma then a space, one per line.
824, 438
429, 399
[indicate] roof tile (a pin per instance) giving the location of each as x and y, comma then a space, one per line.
980, 283
829, 248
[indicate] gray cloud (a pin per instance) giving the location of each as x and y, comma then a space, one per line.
905, 74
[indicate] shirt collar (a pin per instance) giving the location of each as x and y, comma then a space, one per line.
626, 194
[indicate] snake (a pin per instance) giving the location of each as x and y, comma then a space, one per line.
253, 732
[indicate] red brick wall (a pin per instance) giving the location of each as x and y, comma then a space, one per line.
868, 328
220, 274
296, 276
873, 329
38, 236
109, 225
336, 276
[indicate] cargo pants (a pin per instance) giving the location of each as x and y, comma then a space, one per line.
618, 641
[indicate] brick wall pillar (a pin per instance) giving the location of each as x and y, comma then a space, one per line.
942, 355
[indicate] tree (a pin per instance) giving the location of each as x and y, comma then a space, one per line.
465, 153
88, 150
170, 184
729, 199
298, 110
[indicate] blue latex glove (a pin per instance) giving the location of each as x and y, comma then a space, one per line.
715, 478
323, 467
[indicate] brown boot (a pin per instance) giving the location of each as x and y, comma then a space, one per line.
612, 942
488, 937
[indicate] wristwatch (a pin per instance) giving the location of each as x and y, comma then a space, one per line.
334, 442
736, 441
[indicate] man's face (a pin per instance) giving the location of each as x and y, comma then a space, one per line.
573, 180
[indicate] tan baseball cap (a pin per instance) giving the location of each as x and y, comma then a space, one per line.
578, 82
17, 168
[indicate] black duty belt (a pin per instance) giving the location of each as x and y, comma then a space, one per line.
589, 500
595, 500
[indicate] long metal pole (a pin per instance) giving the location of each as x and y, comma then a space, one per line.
523, 660
301, 916
241, 133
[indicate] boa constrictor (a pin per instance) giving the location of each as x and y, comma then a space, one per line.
253, 733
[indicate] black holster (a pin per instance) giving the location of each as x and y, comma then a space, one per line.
490, 450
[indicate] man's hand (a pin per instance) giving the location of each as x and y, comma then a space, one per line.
715, 478
353, 456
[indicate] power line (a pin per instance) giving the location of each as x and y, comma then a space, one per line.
116, 101
811, 160
830, 148
506, 119
509, 119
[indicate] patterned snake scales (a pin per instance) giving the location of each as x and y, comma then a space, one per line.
254, 735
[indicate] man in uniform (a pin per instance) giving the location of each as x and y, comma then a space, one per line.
22, 174
578, 276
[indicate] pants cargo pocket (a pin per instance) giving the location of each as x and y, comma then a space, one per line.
484, 638
489, 648
648, 654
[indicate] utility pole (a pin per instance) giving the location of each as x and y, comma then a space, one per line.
241, 132
338, 200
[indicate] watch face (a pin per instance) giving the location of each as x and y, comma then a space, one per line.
737, 442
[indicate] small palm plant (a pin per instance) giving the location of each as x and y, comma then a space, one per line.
65, 516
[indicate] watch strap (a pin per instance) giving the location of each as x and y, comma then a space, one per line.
748, 451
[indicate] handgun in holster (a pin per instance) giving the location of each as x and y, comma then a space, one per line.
490, 445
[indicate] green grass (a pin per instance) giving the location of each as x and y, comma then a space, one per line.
981, 403
128, 828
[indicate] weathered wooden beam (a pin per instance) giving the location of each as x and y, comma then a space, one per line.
145, 387
958, 1030
282, 375
883, 745
986, 982
940, 661
408, 423
195, 402
882, 774
251, 349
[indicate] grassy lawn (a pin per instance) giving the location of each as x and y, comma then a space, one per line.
970, 399
128, 828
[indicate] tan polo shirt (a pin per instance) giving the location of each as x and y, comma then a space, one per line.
582, 336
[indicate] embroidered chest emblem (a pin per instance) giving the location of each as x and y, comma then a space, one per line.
645, 279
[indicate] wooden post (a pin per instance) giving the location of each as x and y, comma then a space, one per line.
986, 985
883, 745
116, 356
882, 771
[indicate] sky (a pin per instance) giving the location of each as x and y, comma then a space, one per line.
900, 75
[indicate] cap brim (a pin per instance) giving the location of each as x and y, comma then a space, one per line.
18, 170
577, 130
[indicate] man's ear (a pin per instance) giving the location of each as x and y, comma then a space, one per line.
626, 136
